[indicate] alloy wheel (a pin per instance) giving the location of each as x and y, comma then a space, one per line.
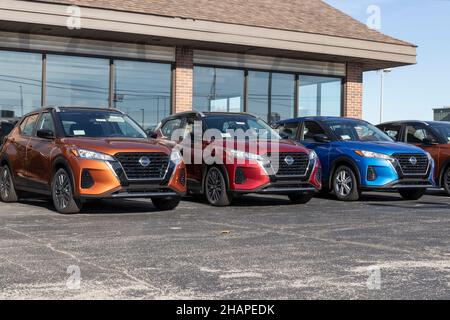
5, 183
214, 185
344, 183
63, 192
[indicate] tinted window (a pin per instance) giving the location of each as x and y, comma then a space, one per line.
419, 134
288, 130
99, 124
77, 81
142, 90
356, 131
46, 122
170, 126
258, 94
310, 129
20, 83
28, 125
393, 131
283, 97
217, 89
320, 96
443, 129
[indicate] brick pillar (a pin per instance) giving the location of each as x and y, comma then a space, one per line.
183, 79
353, 91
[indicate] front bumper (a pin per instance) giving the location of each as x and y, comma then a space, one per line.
108, 180
390, 176
258, 180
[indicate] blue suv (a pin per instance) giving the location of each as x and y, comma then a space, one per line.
357, 156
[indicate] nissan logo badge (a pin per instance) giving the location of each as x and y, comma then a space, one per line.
289, 160
144, 161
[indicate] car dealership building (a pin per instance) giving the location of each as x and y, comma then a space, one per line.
150, 58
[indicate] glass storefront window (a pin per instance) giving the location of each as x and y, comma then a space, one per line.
283, 97
77, 81
142, 90
20, 83
319, 96
258, 94
218, 90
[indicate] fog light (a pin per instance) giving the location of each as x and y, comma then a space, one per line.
86, 179
240, 176
371, 174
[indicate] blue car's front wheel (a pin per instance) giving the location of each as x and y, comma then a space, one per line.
345, 185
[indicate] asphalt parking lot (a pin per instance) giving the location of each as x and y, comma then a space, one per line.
260, 248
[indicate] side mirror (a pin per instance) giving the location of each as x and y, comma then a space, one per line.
45, 134
322, 138
152, 134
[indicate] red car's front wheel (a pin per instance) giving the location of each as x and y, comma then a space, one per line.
216, 190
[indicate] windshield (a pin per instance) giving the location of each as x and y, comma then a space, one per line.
355, 130
232, 126
443, 129
99, 124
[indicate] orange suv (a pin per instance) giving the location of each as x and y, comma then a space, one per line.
77, 154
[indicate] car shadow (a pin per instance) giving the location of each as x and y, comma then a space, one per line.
366, 197
248, 201
100, 207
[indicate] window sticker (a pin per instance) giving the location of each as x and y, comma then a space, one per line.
116, 119
79, 132
100, 120
346, 137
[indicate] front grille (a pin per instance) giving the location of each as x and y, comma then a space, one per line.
406, 161
298, 167
134, 170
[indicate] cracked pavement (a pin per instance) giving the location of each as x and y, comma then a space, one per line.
259, 248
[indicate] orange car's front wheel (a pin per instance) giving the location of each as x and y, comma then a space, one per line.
62, 193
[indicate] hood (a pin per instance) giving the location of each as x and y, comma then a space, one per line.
113, 146
385, 147
263, 148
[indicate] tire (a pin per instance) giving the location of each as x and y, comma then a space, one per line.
216, 192
345, 185
166, 204
8, 192
62, 194
300, 198
446, 181
412, 194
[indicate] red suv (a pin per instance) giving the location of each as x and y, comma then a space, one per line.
222, 163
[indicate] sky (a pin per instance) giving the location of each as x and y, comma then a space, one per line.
411, 92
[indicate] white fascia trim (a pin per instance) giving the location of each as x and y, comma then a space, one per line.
197, 30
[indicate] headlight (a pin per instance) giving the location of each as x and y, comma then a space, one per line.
245, 155
375, 155
241, 155
92, 155
176, 156
312, 155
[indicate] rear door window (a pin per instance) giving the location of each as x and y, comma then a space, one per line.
28, 125
310, 129
393, 131
288, 130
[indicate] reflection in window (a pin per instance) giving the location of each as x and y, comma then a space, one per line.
218, 89
258, 94
77, 81
20, 83
142, 90
319, 96
283, 97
